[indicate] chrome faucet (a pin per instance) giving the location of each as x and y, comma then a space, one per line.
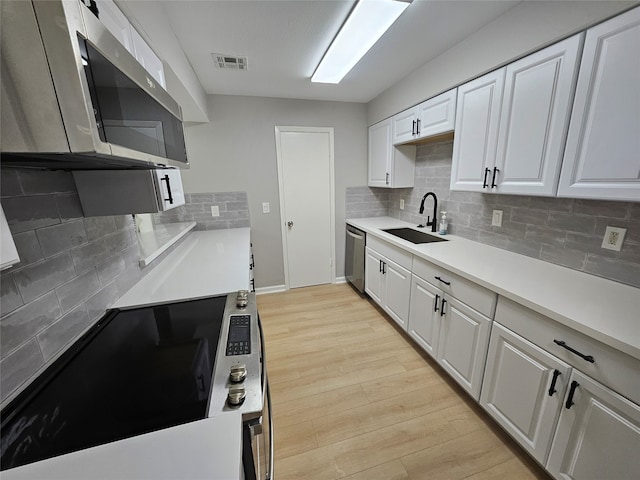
430, 223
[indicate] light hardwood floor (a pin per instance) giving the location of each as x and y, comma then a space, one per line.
353, 397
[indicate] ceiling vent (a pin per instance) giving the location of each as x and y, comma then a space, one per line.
229, 62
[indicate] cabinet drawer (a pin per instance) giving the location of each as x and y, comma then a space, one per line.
392, 252
611, 367
477, 297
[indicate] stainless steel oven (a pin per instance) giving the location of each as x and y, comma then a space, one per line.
143, 369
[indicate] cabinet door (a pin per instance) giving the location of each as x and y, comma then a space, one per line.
437, 115
169, 188
379, 153
405, 126
116, 22
598, 437
373, 275
148, 59
424, 314
602, 156
397, 291
535, 113
476, 137
462, 344
523, 389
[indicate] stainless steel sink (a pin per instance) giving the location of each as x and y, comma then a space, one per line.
414, 236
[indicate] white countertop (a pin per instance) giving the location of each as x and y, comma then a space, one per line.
602, 309
206, 263
155, 242
184, 452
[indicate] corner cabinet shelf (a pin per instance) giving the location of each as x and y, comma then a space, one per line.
389, 166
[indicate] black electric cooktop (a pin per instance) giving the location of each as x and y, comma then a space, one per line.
134, 372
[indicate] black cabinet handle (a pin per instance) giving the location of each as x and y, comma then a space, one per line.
572, 392
552, 388
435, 304
166, 179
484, 182
380, 266
413, 128
443, 281
495, 174
383, 269
442, 307
563, 344
386, 179
418, 127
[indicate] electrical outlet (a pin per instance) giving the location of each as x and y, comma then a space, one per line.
215, 211
613, 238
496, 219
265, 207
402, 204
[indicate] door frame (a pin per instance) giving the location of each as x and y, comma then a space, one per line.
332, 196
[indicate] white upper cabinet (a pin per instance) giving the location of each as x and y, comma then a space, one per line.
476, 127
148, 59
389, 166
432, 117
8, 253
511, 124
118, 24
602, 156
437, 115
115, 21
536, 104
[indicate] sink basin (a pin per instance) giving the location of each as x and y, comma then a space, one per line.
414, 236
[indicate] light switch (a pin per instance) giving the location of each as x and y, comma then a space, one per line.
265, 207
215, 211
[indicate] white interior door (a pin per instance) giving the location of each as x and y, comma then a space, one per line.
305, 171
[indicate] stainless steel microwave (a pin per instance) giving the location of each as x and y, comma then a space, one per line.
74, 98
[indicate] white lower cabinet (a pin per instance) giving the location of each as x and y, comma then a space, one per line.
452, 332
424, 314
389, 284
523, 390
462, 344
598, 434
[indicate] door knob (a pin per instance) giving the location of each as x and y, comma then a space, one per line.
289, 224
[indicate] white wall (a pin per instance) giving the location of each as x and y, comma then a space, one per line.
526, 27
236, 151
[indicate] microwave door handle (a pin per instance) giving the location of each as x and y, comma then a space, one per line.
170, 199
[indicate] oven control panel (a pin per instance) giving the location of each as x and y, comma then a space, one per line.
239, 339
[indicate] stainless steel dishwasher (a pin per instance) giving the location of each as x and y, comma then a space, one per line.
354, 257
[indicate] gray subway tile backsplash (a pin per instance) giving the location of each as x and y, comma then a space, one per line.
563, 231
72, 268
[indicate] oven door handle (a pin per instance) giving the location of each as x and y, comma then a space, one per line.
267, 391
271, 448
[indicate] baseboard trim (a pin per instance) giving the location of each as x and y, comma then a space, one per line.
272, 289
341, 279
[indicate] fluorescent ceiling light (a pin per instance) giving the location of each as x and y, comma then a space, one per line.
367, 22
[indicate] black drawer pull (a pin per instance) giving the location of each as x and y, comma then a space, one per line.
413, 128
570, 402
552, 388
493, 180
442, 307
435, 304
563, 344
484, 182
441, 280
